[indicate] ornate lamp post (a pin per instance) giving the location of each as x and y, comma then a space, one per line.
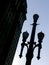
25, 36
32, 44
40, 38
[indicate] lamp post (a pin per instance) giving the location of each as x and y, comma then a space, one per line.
32, 44
29, 54
40, 38
25, 36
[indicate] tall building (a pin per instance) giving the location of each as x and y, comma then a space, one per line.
13, 15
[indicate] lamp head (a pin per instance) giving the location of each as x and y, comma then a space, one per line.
25, 35
40, 36
35, 17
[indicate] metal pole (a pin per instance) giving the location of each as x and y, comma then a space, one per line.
29, 54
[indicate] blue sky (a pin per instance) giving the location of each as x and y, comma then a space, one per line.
40, 7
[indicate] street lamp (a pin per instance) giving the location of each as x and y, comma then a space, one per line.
32, 44
25, 36
40, 38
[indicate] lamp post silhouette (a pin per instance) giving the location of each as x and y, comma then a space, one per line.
32, 44
25, 36
40, 38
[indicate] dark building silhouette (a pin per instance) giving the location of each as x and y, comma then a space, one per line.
12, 17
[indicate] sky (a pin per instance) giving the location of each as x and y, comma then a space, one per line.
40, 7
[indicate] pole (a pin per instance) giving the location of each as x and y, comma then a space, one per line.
29, 54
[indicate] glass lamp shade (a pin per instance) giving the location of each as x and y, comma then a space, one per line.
40, 36
25, 35
35, 17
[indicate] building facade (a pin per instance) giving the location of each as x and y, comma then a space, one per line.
12, 18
